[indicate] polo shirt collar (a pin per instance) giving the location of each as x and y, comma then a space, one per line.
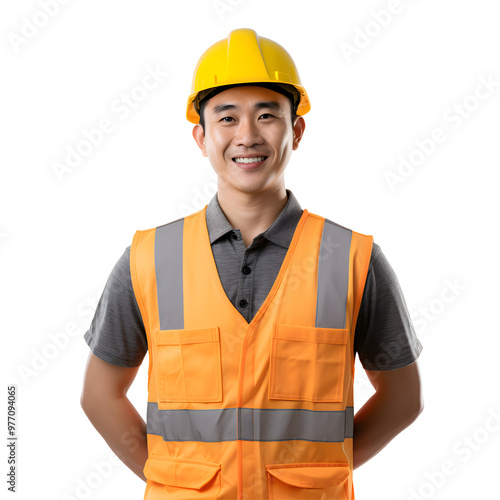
279, 232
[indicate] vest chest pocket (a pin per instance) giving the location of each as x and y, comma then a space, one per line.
307, 363
188, 365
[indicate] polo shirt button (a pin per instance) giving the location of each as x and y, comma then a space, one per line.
243, 303
246, 270
235, 236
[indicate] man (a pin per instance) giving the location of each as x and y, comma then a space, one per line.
252, 310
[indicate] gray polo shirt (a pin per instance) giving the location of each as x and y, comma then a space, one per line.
385, 338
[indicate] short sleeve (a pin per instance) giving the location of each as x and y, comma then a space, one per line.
117, 334
385, 337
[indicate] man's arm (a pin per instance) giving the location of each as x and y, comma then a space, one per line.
104, 401
397, 402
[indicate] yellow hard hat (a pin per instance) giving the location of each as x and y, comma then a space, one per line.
244, 57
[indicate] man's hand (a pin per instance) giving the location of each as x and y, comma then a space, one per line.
396, 403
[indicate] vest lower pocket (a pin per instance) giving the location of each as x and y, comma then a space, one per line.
307, 363
188, 365
181, 479
308, 481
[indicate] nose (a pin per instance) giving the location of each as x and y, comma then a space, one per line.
247, 133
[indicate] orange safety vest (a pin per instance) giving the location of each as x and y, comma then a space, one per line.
255, 410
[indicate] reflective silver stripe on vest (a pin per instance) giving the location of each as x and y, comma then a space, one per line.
349, 422
169, 271
192, 425
333, 276
291, 424
256, 424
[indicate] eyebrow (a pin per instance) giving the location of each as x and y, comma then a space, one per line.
220, 108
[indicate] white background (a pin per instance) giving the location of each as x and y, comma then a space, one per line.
61, 236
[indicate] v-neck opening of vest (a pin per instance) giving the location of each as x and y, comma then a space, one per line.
277, 281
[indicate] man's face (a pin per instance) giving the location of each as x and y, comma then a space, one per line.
249, 137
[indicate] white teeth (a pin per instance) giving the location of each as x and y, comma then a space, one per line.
250, 160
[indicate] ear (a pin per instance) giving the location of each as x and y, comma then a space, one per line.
298, 131
199, 138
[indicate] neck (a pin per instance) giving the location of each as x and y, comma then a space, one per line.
252, 213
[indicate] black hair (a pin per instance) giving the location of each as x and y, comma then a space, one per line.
293, 97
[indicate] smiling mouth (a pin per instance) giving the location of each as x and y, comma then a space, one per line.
254, 159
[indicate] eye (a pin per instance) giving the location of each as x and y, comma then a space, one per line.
226, 119
266, 115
